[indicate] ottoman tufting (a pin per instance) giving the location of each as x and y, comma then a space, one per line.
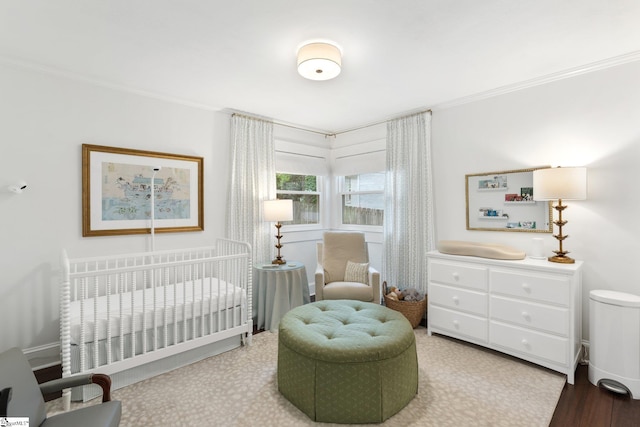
345, 361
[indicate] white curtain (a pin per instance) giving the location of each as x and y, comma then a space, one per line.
408, 212
253, 180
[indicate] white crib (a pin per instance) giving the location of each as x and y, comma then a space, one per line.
134, 316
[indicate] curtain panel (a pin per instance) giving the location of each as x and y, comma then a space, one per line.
408, 215
252, 181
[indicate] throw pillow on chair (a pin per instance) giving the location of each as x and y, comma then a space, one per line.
357, 272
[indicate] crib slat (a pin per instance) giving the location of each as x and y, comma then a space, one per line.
123, 287
154, 321
192, 302
83, 331
133, 317
108, 292
202, 298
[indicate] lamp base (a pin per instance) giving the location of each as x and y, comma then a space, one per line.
562, 259
279, 260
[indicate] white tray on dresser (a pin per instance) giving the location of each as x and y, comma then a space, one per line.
530, 309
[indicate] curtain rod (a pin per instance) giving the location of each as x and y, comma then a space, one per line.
327, 135
282, 124
380, 122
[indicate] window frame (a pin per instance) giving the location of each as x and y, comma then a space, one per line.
320, 185
341, 192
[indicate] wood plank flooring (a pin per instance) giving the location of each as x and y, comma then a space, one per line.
585, 405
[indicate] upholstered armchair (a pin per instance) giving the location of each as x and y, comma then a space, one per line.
343, 270
21, 396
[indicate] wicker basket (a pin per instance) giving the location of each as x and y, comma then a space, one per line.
412, 310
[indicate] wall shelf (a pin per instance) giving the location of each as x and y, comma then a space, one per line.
494, 189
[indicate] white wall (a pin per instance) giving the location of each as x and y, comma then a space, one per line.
590, 120
45, 120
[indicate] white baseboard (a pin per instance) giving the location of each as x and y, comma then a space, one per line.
43, 356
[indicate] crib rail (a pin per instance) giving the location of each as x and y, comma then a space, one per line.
141, 307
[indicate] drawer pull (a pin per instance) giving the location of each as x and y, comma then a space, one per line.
456, 300
456, 276
525, 342
456, 324
526, 287
526, 315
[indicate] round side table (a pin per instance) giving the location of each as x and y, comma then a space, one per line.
276, 290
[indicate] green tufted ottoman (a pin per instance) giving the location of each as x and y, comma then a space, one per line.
345, 361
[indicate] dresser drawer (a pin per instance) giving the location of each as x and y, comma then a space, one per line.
459, 299
458, 323
459, 275
530, 343
531, 315
545, 288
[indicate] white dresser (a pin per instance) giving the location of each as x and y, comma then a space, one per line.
530, 309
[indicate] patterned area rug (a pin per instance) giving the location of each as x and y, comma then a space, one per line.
460, 385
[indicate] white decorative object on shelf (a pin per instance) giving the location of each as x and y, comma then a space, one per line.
537, 248
527, 308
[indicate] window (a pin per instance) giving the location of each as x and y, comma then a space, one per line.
303, 190
363, 199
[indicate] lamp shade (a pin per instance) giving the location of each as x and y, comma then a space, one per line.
278, 210
560, 183
319, 61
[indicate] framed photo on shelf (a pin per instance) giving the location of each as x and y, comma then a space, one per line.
498, 181
489, 212
117, 191
527, 193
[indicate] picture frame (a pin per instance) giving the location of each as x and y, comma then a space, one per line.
116, 191
526, 193
503, 201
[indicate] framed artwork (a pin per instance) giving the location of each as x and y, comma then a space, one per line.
503, 201
117, 191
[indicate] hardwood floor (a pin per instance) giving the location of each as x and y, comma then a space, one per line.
585, 405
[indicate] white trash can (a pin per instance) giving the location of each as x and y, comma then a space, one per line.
614, 341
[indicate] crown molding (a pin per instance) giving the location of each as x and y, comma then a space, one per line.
18, 63
549, 78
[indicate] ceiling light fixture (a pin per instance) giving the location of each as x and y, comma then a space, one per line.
319, 61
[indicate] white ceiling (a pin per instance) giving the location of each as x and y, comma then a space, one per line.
399, 56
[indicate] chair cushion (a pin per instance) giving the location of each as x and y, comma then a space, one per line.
357, 272
348, 290
337, 249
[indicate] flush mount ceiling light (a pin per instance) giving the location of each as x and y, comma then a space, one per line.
319, 61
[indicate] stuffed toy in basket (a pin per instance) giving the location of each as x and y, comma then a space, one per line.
410, 302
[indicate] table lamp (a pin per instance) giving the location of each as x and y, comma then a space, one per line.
558, 184
278, 210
